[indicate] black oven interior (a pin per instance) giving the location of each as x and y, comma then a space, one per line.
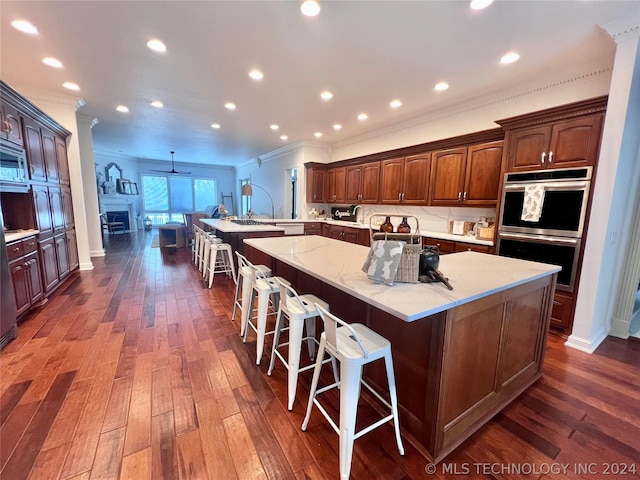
564, 255
562, 210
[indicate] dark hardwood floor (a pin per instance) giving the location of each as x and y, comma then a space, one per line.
135, 371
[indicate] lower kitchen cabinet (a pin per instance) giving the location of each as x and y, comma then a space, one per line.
359, 236
562, 311
313, 228
450, 246
49, 259
62, 255
472, 247
72, 249
24, 268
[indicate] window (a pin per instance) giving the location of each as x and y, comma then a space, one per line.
166, 198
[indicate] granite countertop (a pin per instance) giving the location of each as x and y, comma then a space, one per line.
231, 227
473, 275
15, 235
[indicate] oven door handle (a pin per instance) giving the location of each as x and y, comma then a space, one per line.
549, 185
539, 238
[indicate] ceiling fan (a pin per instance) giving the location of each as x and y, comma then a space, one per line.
173, 169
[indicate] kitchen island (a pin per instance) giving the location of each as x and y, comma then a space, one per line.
235, 233
460, 356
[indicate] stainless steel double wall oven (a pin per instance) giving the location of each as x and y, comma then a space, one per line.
556, 237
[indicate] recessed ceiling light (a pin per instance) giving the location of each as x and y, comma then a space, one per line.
363, 116
25, 27
317, 134
157, 45
326, 95
337, 126
122, 109
71, 86
230, 106
274, 127
310, 8
52, 62
256, 74
479, 4
215, 125
157, 104
441, 87
283, 137
395, 104
510, 57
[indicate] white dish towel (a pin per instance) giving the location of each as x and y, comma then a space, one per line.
533, 201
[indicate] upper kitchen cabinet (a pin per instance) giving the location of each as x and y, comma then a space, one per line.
467, 175
10, 124
561, 137
334, 182
315, 183
363, 183
35, 151
50, 156
405, 180
63, 161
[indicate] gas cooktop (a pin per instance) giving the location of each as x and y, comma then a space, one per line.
243, 221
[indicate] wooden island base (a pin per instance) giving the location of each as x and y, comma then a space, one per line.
454, 369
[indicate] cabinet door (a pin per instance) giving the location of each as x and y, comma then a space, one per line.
335, 185
20, 282
67, 206
483, 176
62, 255
32, 263
11, 124
392, 173
50, 160
33, 146
447, 177
526, 148
370, 192
43, 210
63, 162
562, 311
49, 264
575, 143
72, 249
351, 235
353, 184
315, 185
336, 233
416, 180
57, 208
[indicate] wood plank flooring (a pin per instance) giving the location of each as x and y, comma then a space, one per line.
135, 371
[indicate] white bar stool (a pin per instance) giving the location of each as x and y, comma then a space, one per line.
301, 312
220, 261
206, 252
354, 345
244, 279
267, 289
195, 248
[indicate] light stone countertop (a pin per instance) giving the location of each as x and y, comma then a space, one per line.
15, 235
473, 275
230, 227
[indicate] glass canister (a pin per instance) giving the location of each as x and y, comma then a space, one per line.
387, 226
404, 226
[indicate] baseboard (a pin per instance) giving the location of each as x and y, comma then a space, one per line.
97, 253
585, 344
620, 328
84, 266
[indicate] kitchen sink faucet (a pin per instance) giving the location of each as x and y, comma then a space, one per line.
355, 213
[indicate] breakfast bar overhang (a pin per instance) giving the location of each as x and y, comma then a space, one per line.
460, 356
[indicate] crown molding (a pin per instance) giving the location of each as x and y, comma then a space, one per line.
90, 119
623, 29
291, 147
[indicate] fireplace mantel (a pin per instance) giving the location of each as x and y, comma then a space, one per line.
110, 203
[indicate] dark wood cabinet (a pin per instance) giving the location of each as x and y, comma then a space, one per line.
467, 175
363, 183
49, 263
63, 161
561, 144
335, 185
41, 204
24, 268
472, 247
50, 157
313, 228
445, 246
35, 152
62, 255
562, 311
10, 124
315, 184
56, 203
359, 236
405, 180
72, 249
67, 207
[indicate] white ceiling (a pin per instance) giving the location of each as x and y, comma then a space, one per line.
366, 52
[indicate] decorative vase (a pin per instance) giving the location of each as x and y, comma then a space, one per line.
404, 226
387, 226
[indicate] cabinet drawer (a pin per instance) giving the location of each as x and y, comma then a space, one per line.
445, 246
29, 245
14, 250
472, 247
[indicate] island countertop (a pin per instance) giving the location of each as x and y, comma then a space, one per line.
473, 275
231, 227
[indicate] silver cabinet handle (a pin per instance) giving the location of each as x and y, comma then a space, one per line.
459, 196
403, 196
544, 154
399, 196
464, 196
550, 157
